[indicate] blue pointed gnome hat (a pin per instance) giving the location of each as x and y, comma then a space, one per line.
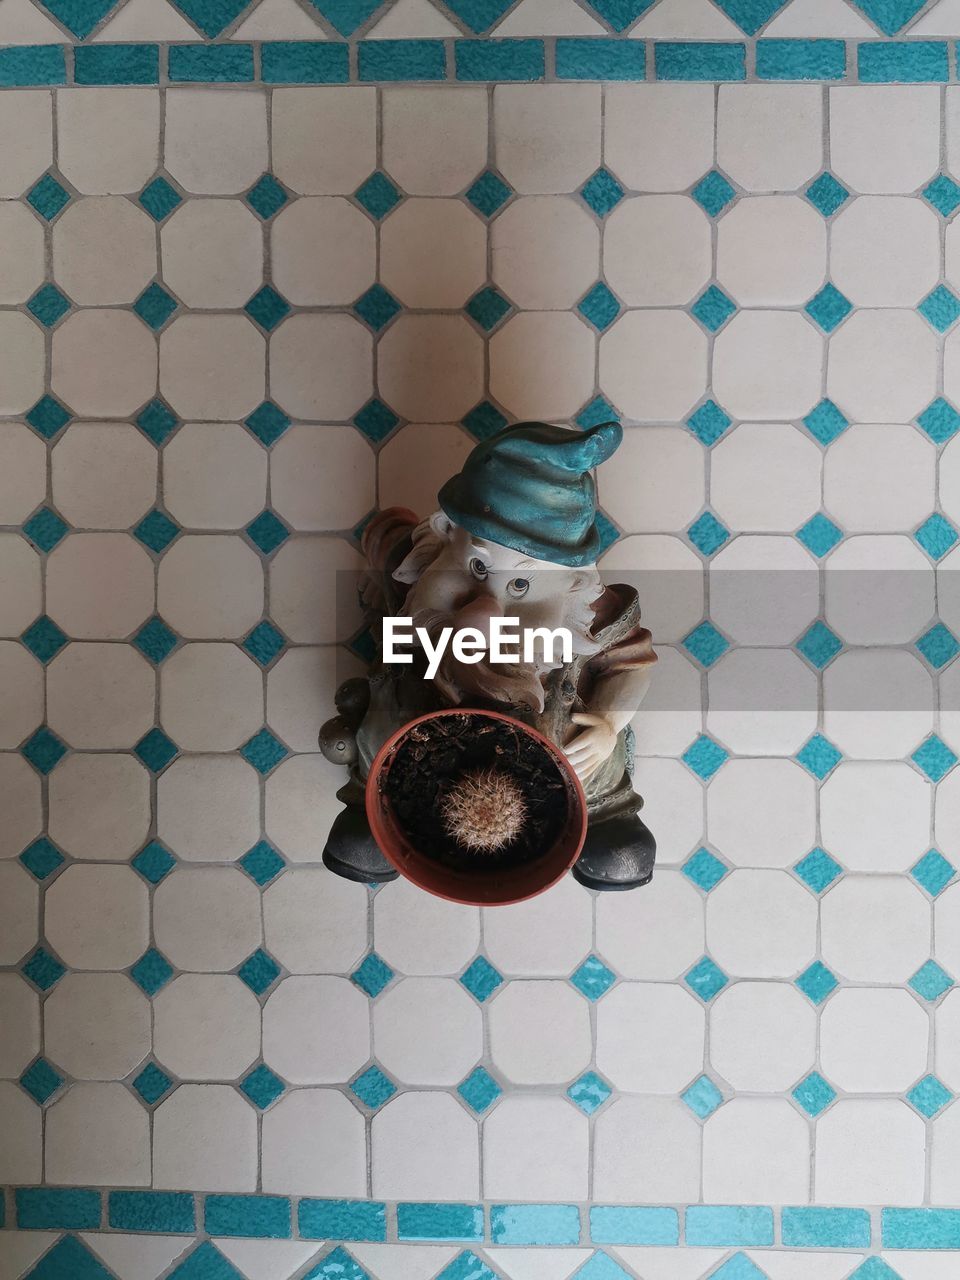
529, 487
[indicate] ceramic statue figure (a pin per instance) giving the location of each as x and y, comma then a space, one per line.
515, 535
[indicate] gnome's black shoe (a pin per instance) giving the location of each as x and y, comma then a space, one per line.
617, 854
352, 852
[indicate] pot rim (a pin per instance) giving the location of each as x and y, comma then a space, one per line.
375, 803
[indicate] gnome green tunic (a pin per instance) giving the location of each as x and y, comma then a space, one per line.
515, 535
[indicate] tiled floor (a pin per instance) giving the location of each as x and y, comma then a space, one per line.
234, 321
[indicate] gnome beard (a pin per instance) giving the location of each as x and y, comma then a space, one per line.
444, 569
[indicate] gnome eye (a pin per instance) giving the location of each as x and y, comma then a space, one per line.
518, 587
478, 568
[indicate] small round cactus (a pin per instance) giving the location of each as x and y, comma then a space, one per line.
484, 810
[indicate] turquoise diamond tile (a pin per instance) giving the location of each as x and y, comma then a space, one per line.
936, 535
69, 1260
704, 757
607, 531
43, 969
47, 417
703, 1097
940, 308
814, 1094
943, 194
45, 529
930, 981
602, 192
48, 197
713, 193
41, 1081
156, 750
266, 197
934, 757
713, 308
479, 15
264, 751
707, 534
479, 1091
211, 16
376, 420
338, 1265
488, 307
264, 643
705, 979
600, 1267
826, 194
751, 15
706, 644
268, 422
589, 1092
875, 1269
709, 422
372, 975
206, 1263
154, 861
359, 528
155, 640
267, 308
378, 195
262, 1087
484, 420
825, 422
828, 308
933, 872
619, 13
592, 978
939, 420
262, 863
489, 194
377, 307
44, 750
151, 972
890, 16
156, 422
347, 15
160, 199
373, 1088
267, 532
466, 1266
44, 638
819, 535
49, 305
819, 756
364, 646
819, 645
155, 306
481, 979
79, 16
929, 1096
818, 870
598, 410
152, 1083
259, 971
42, 858
938, 645
704, 870
599, 306
156, 531
816, 982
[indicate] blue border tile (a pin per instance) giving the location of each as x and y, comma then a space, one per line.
304, 62
501, 60
627, 1224
426, 1220
535, 1224
597, 58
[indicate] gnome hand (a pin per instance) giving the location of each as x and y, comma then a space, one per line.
589, 749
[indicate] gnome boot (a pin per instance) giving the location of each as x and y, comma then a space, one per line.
352, 852
618, 854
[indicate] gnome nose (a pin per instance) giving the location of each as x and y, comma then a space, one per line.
478, 612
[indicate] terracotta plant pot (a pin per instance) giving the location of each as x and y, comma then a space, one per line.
481, 882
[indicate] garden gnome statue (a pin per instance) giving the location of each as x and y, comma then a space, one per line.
515, 535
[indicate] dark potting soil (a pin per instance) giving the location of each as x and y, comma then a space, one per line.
434, 758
